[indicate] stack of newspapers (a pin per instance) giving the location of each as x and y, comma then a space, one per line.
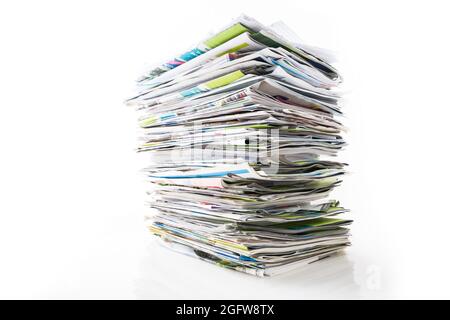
242, 133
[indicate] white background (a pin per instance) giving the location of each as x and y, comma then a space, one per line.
72, 201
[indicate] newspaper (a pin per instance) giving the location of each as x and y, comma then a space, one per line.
243, 132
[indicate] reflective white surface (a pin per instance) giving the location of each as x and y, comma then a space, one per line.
331, 278
72, 203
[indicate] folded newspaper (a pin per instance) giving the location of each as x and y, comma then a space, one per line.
242, 133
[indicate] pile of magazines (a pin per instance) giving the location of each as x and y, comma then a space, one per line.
243, 132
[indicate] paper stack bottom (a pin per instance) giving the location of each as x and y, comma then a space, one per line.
243, 132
